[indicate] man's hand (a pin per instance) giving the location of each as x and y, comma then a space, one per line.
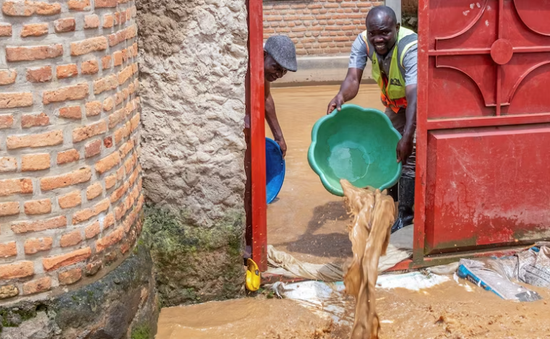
335, 103
404, 149
281, 142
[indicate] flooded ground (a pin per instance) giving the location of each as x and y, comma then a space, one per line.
310, 223
305, 220
444, 311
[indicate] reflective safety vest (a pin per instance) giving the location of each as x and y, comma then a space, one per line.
393, 94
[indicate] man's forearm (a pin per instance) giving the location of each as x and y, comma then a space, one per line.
350, 86
271, 117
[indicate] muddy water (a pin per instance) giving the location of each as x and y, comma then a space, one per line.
444, 311
305, 220
242, 319
373, 214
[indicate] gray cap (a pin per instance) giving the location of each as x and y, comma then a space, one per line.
282, 49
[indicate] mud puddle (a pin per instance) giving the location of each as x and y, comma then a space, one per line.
444, 311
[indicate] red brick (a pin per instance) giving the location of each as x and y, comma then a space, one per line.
116, 117
44, 8
108, 21
64, 25
108, 221
39, 225
66, 71
14, 100
79, 5
88, 46
119, 192
33, 53
107, 163
92, 148
122, 132
8, 164
6, 121
109, 240
108, 104
34, 30
75, 92
64, 180
88, 213
14, 186
93, 108
70, 112
110, 181
34, 207
18, 8
70, 277
5, 30
37, 286
86, 132
39, 74
67, 156
9, 208
105, 84
35, 162
134, 176
7, 76
105, 3
120, 173
126, 148
91, 21
53, 263
8, 249
70, 200
89, 67
108, 142
106, 62
33, 120
94, 191
35, 140
117, 58
125, 74
70, 239
92, 230
19, 269
35, 245
93, 267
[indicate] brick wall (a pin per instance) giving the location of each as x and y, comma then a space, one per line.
409, 6
317, 27
70, 182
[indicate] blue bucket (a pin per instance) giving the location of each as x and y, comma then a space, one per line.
274, 169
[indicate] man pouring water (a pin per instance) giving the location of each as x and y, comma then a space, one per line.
392, 50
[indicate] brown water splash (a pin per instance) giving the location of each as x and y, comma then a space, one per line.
373, 214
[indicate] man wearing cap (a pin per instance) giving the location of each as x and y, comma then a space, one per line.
392, 50
279, 58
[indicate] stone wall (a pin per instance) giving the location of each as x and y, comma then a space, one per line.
70, 181
317, 27
193, 61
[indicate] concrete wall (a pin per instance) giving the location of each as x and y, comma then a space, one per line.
193, 62
70, 182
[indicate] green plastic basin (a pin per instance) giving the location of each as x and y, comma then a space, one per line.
355, 144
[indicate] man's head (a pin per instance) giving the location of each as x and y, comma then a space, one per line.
382, 28
279, 57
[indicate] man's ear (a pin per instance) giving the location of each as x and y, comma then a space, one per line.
398, 26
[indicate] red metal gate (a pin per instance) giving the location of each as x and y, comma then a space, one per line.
483, 136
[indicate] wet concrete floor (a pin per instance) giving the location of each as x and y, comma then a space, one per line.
306, 220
